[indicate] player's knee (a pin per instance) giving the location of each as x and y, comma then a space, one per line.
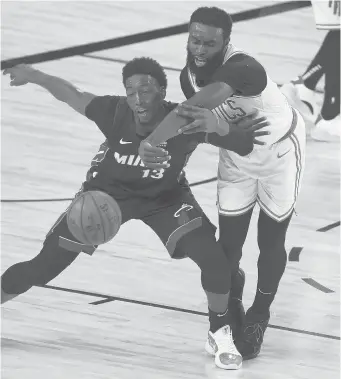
17, 279
219, 282
268, 243
233, 231
232, 250
229, 242
40, 270
51, 261
201, 246
273, 246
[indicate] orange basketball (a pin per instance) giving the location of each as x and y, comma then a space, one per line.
94, 218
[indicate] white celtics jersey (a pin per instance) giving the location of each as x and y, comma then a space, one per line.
271, 103
327, 14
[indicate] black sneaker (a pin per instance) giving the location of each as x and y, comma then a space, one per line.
250, 342
235, 305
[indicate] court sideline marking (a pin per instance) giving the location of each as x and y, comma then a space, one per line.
108, 298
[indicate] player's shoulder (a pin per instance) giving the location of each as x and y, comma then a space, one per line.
183, 73
101, 106
243, 73
242, 60
107, 101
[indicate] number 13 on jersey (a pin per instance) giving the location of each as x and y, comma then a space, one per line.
155, 174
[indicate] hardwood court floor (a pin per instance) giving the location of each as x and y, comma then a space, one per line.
46, 148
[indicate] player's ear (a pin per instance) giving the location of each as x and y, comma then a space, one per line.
163, 92
226, 41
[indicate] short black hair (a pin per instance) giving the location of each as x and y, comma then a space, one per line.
213, 16
146, 66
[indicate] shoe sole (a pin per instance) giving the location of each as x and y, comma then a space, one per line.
229, 367
210, 351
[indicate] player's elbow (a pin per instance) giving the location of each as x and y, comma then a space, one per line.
262, 80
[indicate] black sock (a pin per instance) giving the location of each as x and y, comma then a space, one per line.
218, 320
312, 76
262, 302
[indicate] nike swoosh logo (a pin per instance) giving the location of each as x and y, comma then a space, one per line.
222, 314
282, 155
124, 142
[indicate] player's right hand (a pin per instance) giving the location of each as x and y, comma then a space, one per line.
20, 74
153, 157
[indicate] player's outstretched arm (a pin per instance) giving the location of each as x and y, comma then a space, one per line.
240, 137
61, 89
209, 97
205, 120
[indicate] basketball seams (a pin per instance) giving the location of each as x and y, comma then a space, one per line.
100, 215
81, 219
89, 204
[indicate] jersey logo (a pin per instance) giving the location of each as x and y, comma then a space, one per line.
184, 207
130, 160
124, 142
282, 155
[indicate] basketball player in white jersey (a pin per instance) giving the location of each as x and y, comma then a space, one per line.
326, 62
270, 175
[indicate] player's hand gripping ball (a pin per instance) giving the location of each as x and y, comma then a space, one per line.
94, 218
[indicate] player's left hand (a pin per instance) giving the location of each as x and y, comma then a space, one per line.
204, 119
153, 157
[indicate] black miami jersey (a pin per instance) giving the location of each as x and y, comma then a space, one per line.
117, 167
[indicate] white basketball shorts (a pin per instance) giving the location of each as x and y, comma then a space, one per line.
270, 176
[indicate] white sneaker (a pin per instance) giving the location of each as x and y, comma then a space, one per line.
327, 131
221, 345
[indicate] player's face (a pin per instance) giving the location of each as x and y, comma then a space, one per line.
205, 47
144, 97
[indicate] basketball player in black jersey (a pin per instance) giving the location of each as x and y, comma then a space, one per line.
161, 198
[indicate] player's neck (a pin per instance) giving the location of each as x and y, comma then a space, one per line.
146, 128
